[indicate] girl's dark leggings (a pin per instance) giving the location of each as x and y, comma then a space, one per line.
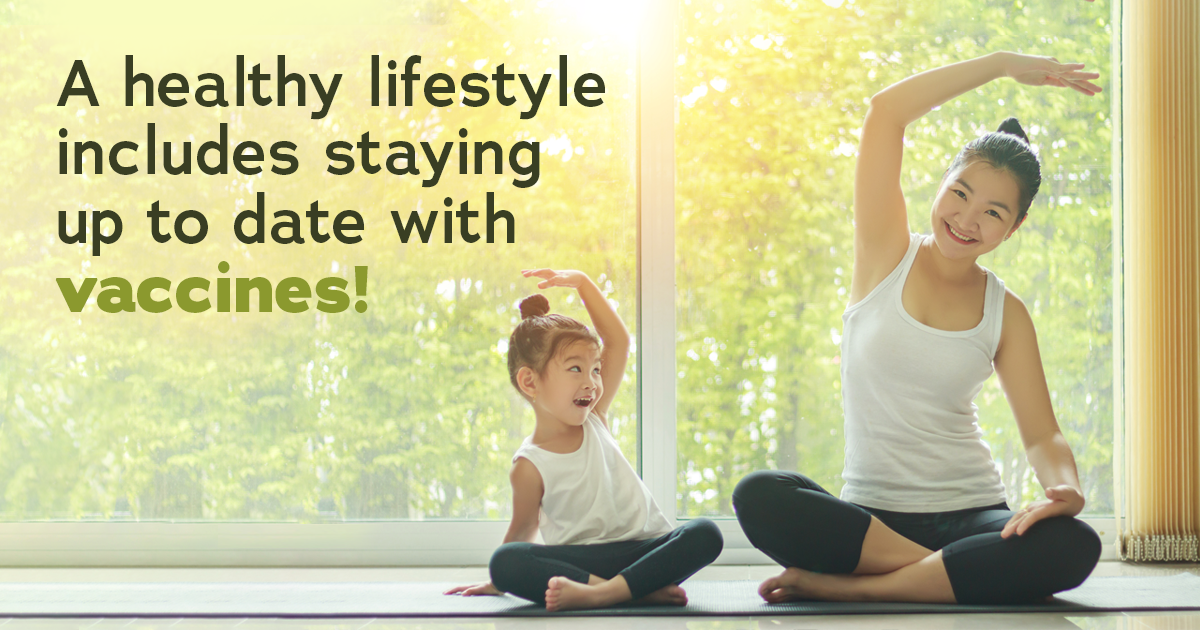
798, 524
524, 569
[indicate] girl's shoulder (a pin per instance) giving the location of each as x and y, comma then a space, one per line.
538, 454
524, 470
528, 450
596, 422
598, 425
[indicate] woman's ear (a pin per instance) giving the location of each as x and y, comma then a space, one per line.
527, 381
1014, 228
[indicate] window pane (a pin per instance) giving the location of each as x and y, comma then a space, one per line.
772, 97
404, 411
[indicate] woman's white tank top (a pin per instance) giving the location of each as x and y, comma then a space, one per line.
913, 442
593, 495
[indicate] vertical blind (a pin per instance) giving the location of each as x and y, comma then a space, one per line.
1158, 466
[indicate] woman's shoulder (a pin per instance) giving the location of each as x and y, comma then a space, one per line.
1014, 306
1016, 322
864, 286
999, 292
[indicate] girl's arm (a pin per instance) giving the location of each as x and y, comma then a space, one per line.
608, 325
1019, 368
527, 499
880, 215
527, 492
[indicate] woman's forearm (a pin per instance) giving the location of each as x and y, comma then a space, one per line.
912, 98
1053, 462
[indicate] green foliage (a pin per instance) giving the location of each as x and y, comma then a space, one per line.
405, 411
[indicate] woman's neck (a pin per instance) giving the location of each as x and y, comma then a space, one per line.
960, 270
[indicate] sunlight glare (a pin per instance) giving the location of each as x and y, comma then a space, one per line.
616, 19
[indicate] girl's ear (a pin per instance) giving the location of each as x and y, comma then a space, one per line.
527, 381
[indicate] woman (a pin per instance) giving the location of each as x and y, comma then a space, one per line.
922, 517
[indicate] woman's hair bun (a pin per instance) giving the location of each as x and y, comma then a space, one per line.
535, 305
1012, 127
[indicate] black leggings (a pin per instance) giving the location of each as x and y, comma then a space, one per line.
799, 524
524, 569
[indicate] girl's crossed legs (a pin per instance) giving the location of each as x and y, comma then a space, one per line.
646, 566
875, 554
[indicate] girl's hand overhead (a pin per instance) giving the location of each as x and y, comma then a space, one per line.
477, 589
1039, 71
551, 278
608, 325
1060, 501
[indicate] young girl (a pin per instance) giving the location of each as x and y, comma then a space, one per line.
922, 516
606, 540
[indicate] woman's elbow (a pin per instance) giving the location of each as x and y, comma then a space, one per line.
880, 107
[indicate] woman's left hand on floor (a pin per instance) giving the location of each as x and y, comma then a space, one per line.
1059, 501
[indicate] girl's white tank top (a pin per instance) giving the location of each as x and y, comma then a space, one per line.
593, 495
913, 442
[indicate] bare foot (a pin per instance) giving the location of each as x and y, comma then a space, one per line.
564, 594
790, 585
670, 595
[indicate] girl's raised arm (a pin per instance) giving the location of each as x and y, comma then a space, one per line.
608, 325
880, 216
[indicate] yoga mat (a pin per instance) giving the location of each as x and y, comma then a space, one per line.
425, 599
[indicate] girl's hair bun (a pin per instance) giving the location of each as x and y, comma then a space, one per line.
535, 305
1012, 127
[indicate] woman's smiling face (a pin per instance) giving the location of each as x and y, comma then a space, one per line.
975, 209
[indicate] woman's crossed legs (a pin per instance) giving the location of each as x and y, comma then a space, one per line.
834, 550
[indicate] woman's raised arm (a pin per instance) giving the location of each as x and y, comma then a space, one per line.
880, 216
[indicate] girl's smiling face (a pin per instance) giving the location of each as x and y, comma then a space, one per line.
571, 385
975, 209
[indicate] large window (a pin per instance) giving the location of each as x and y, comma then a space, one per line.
404, 413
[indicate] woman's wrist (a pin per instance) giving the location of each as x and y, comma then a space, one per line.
1003, 60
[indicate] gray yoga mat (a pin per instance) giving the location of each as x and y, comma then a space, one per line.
425, 599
